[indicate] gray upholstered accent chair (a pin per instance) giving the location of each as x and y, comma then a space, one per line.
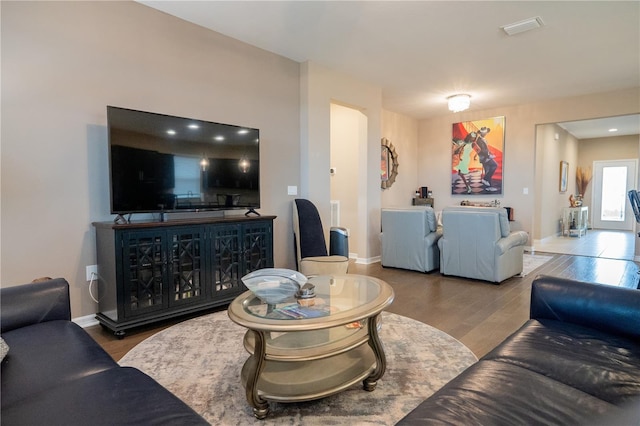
310, 245
410, 238
477, 242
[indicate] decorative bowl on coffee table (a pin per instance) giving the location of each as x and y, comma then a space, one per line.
274, 285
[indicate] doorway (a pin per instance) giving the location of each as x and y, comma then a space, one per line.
588, 142
348, 136
612, 180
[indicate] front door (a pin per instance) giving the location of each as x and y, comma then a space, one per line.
612, 180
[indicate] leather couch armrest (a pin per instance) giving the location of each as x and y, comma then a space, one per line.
599, 306
517, 238
33, 303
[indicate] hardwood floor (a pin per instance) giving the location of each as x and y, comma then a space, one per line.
477, 313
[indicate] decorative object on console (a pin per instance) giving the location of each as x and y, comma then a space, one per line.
477, 158
423, 197
493, 203
388, 164
583, 177
575, 201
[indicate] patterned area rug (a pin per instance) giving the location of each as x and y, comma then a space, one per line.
200, 360
531, 262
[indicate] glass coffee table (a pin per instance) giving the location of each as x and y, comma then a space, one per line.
300, 353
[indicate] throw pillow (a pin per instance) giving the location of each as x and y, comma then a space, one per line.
4, 349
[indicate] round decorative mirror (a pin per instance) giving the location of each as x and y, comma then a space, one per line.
388, 164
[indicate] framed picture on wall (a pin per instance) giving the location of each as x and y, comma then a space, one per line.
564, 175
477, 158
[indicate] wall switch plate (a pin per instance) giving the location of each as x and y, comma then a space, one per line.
92, 269
525, 191
292, 190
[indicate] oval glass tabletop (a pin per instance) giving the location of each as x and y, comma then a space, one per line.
337, 300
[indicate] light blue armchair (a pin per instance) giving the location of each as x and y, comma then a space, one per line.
477, 243
410, 238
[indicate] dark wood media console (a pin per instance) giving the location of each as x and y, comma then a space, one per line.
152, 271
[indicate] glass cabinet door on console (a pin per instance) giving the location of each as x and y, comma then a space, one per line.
226, 256
162, 269
258, 246
237, 250
143, 272
186, 266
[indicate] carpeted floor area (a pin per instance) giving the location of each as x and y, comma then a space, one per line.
531, 262
200, 360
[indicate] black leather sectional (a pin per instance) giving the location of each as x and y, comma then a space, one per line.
55, 374
575, 362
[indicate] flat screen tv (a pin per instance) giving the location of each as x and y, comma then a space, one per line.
161, 163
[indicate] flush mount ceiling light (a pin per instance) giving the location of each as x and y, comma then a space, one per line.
459, 102
522, 26
204, 163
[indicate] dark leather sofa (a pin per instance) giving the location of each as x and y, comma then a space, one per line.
55, 374
575, 362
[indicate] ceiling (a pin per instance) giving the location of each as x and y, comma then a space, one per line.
604, 127
420, 52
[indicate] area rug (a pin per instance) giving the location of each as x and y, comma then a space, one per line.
531, 262
200, 360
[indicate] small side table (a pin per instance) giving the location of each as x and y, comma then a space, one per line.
422, 202
575, 221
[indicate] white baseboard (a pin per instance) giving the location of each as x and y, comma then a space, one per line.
368, 261
86, 321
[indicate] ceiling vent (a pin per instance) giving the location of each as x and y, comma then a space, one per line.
522, 26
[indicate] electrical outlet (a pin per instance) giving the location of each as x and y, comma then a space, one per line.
92, 269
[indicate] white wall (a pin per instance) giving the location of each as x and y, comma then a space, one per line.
348, 133
62, 63
319, 88
551, 200
402, 132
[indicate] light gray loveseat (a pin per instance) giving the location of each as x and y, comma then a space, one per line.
477, 242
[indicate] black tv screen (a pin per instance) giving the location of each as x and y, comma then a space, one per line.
163, 163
